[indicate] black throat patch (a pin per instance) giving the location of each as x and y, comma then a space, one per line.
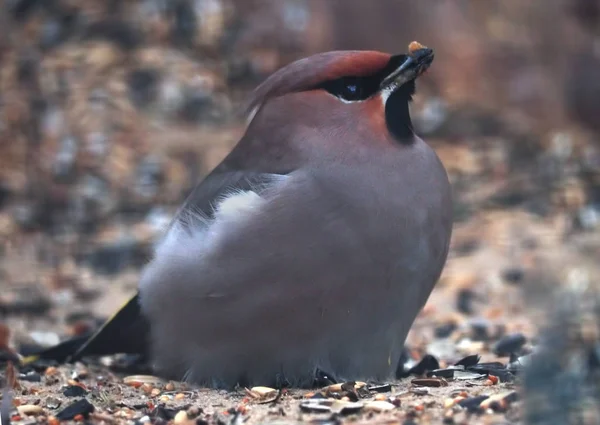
397, 113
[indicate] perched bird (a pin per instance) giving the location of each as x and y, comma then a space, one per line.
316, 241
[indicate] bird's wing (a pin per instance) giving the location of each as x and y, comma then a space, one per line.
127, 330
201, 203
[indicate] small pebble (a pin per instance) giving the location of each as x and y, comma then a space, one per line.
53, 403
464, 301
31, 377
513, 275
51, 371
445, 330
181, 418
480, 329
194, 411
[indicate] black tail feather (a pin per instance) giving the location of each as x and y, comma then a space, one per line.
126, 332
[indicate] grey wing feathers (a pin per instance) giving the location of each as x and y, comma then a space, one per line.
200, 204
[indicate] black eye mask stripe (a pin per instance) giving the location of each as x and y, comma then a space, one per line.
353, 88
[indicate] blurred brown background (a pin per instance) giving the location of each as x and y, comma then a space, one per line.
110, 111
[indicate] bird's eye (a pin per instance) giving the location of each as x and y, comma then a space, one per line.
351, 88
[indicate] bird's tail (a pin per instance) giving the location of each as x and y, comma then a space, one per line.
125, 332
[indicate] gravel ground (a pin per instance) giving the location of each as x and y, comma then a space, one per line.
502, 273
111, 111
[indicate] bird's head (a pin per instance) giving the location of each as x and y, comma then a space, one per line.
361, 92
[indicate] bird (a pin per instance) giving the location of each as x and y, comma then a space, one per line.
312, 246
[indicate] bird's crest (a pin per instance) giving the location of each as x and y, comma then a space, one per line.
310, 72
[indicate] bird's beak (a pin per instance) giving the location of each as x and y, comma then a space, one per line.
417, 62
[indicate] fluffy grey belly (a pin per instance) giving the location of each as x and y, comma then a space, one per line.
276, 286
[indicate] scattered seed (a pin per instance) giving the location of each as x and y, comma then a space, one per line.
147, 388
181, 418
260, 392
139, 380
51, 371
414, 46
385, 388
448, 403
378, 406
30, 410
429, 382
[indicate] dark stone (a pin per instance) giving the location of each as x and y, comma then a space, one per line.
513, 275
184, 23
467, 247
480, 330
120, 33
31, 377
472, 403
509, 344
195, 107
21, 10
143, 85
445, 330
80, 407
37, 305
74, 391
8, 356
464, 301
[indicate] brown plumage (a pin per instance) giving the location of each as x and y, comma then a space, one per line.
315, 243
